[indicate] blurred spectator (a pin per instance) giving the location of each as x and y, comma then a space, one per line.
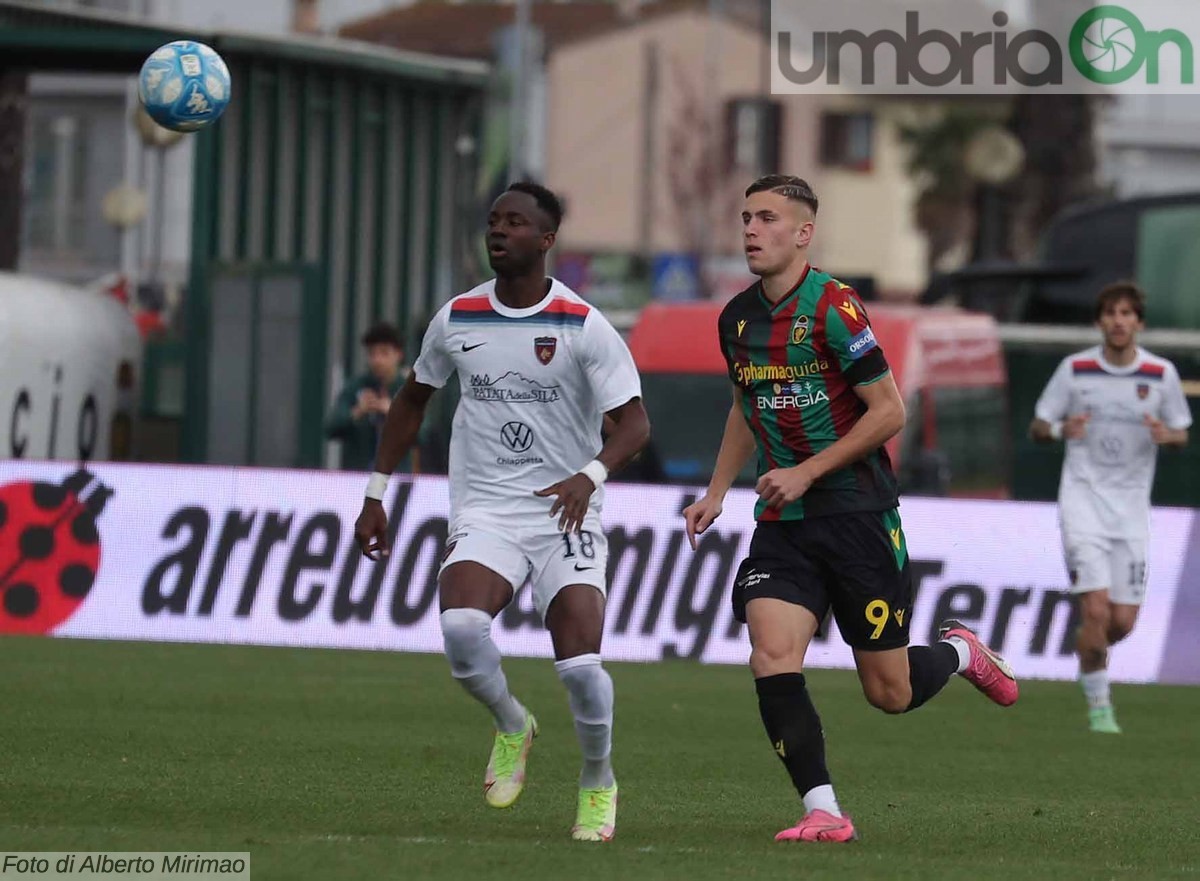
358, 414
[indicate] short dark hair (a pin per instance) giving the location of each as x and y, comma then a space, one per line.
382, 334
545, 198
1114, 293
787, 185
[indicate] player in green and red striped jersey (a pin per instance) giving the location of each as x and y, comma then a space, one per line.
815, 400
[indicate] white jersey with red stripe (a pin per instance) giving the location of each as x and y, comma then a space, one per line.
535, 384
1107, 474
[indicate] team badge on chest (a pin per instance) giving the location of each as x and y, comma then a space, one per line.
799, 330
1143, 390
544, 347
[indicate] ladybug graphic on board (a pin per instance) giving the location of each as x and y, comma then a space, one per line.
49, 550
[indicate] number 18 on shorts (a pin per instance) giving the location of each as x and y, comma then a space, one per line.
550, 559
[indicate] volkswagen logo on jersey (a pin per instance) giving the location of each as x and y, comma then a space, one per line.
544, 347
517, 436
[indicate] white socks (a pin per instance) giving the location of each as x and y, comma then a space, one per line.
590, 692
821, 798
964, 652
1095, 688
475, 662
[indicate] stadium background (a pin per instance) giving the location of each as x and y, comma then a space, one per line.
346, 184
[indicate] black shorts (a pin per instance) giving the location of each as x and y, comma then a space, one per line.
856, 564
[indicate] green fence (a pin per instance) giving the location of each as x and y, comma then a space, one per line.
349, 178
333, 192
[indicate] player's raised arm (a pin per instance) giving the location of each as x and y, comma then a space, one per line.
884, 417
630, 433
850, 340
737, 446
883, 420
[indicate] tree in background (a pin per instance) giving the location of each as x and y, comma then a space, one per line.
945, 207
1056, 132
703, 192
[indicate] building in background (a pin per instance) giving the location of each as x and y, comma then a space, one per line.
658, 158
1150, 144
82, 144
329, 196
653, 118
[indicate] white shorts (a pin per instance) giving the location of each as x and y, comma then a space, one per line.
1097, 563
547, 557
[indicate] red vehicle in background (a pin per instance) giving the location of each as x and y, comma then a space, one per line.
947, 362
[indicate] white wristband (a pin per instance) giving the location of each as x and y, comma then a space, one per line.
1056, 429
377, 486
595, 471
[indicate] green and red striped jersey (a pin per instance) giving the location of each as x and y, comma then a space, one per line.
796, 363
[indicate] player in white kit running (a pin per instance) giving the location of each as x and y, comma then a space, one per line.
1114, 405
538, 369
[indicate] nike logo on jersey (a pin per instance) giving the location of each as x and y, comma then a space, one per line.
467, 348
579, 568
741, 325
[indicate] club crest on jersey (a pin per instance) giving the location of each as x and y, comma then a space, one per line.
799, 330
1143, 391
544, 347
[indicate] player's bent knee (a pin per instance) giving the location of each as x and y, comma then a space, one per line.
772, 659
888, 696
464, 632
1096, 618
1118, 629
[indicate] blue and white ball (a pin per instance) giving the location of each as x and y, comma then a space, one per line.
184, 86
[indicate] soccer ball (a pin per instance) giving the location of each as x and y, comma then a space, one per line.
184, 86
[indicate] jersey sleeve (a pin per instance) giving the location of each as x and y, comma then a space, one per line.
434, 365
1175, 411
850, 339
608, 364
1056, 397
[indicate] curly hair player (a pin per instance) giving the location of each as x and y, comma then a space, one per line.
539, 369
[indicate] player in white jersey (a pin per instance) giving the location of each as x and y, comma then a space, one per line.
1113, 405
538, 369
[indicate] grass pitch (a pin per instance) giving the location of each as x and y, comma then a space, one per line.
329, 764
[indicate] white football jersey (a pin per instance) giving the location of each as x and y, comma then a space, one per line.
535, 384
1107, 474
